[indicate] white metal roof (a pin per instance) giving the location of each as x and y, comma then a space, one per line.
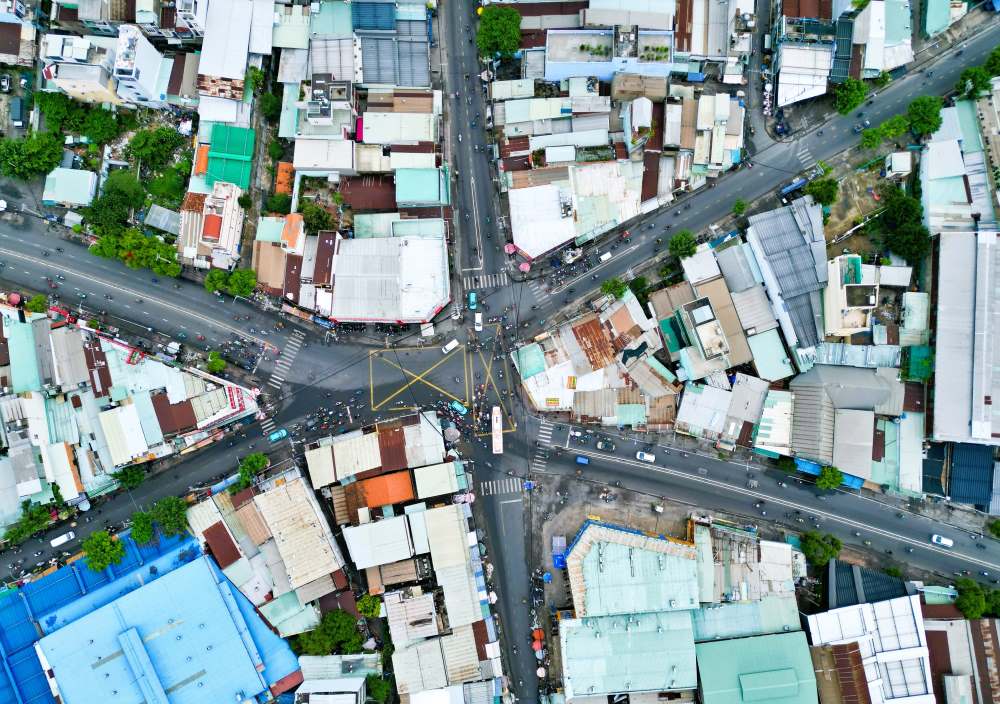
380, 542
536, 219
226, 42
399, 127
804, 71
435, 480
319, 462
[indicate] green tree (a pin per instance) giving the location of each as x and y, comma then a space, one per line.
993, 602
155, 147
882, 80
369, 605
130, 477
894, 571
992, 63
924, 114
911, 241
683, 244
170, 513
254, 79
849, 95
973, 81
37, 154
62, 113
280, 203
315, 217
101, 126
270, 106
787, 464
168, 186
242, 282
739, 207
216, 363
823, 190
829, 478
107, 246
142, 527
971, 599
820, 548
102, 551
871, 138
613, 287
378, 688
124, 183
37, 304
250, 466
337, 633
499, 31
994, 527
216, 280
34, 518
639, 286
895, 127
245, 201
275, 150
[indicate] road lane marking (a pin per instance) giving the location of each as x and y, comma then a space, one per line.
122, 289
786, 503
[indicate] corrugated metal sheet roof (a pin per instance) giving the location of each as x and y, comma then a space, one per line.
410, 618
388, 489
971, 474
754, 310
461, 663
253, 523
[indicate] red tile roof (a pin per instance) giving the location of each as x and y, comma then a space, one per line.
221, 544
212, 228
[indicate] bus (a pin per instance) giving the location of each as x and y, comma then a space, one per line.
497, 422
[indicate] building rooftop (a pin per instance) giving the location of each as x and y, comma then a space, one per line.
154, 640
773, 668
71, 187
230, 155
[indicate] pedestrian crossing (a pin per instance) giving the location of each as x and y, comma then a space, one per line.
486, 280
267, 425
536, 288
493, 487
284, 362
541, 457
805, 156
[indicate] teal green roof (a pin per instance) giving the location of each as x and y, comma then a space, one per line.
772, 669
24, 372
769, 356
937, 16
852, 272
886, 470
897, 21
198, 184
333, 21
655, 652
945, 191
672, 329
422, 187
288, 121
772, 614
968, 122
269, 229
920, 364
230, 155
631, 414
419, 227
529, 360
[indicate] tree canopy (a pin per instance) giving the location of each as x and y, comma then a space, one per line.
971, 599
215, 363
130, 477
369, 605
216, 280
614, 287
499, 31
902, 224
102, 550
739, 207
973, 81
924, 114
270, 106
315, 217
823, 190
142, 527
38, 153
820, 548
849, 95
155, 147
378, 688
829, 478
337, 633
170, 513
242, 282
280, 203
37, 304
34, 518
871, 138
683, 244
895, 127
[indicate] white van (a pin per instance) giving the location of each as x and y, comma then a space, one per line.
62, 539
479, 322
449, 347
605, 257
942, 541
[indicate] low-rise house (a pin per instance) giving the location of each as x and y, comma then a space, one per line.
223, 64
211, 228
69, 188
18, 34
852, 294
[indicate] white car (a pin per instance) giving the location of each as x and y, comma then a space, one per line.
942, 541
479, 322
645, 457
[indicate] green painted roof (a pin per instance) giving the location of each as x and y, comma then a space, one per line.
422, 186
921, 363
332, 21
632, 414
769, 356
897, 21
772, 614
937, 16
288, 121
774, 668
230, 155
968, 122
652, 652
269, 229
529, 360
24, 372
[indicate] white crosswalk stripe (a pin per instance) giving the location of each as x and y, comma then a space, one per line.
540, 293
545, 432
284, 362
267, 425
479, 281
272, 382
507, 485
805, 156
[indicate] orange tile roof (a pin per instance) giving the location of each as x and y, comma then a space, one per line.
292, 230
283, 177
213, 226
387, 489
201, 161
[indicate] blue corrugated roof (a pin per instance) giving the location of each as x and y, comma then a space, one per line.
373, 15
971, 475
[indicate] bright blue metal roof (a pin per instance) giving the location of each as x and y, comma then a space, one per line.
183, 633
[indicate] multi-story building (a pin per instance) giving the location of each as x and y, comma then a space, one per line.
143, 73
81, 67
211, 226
